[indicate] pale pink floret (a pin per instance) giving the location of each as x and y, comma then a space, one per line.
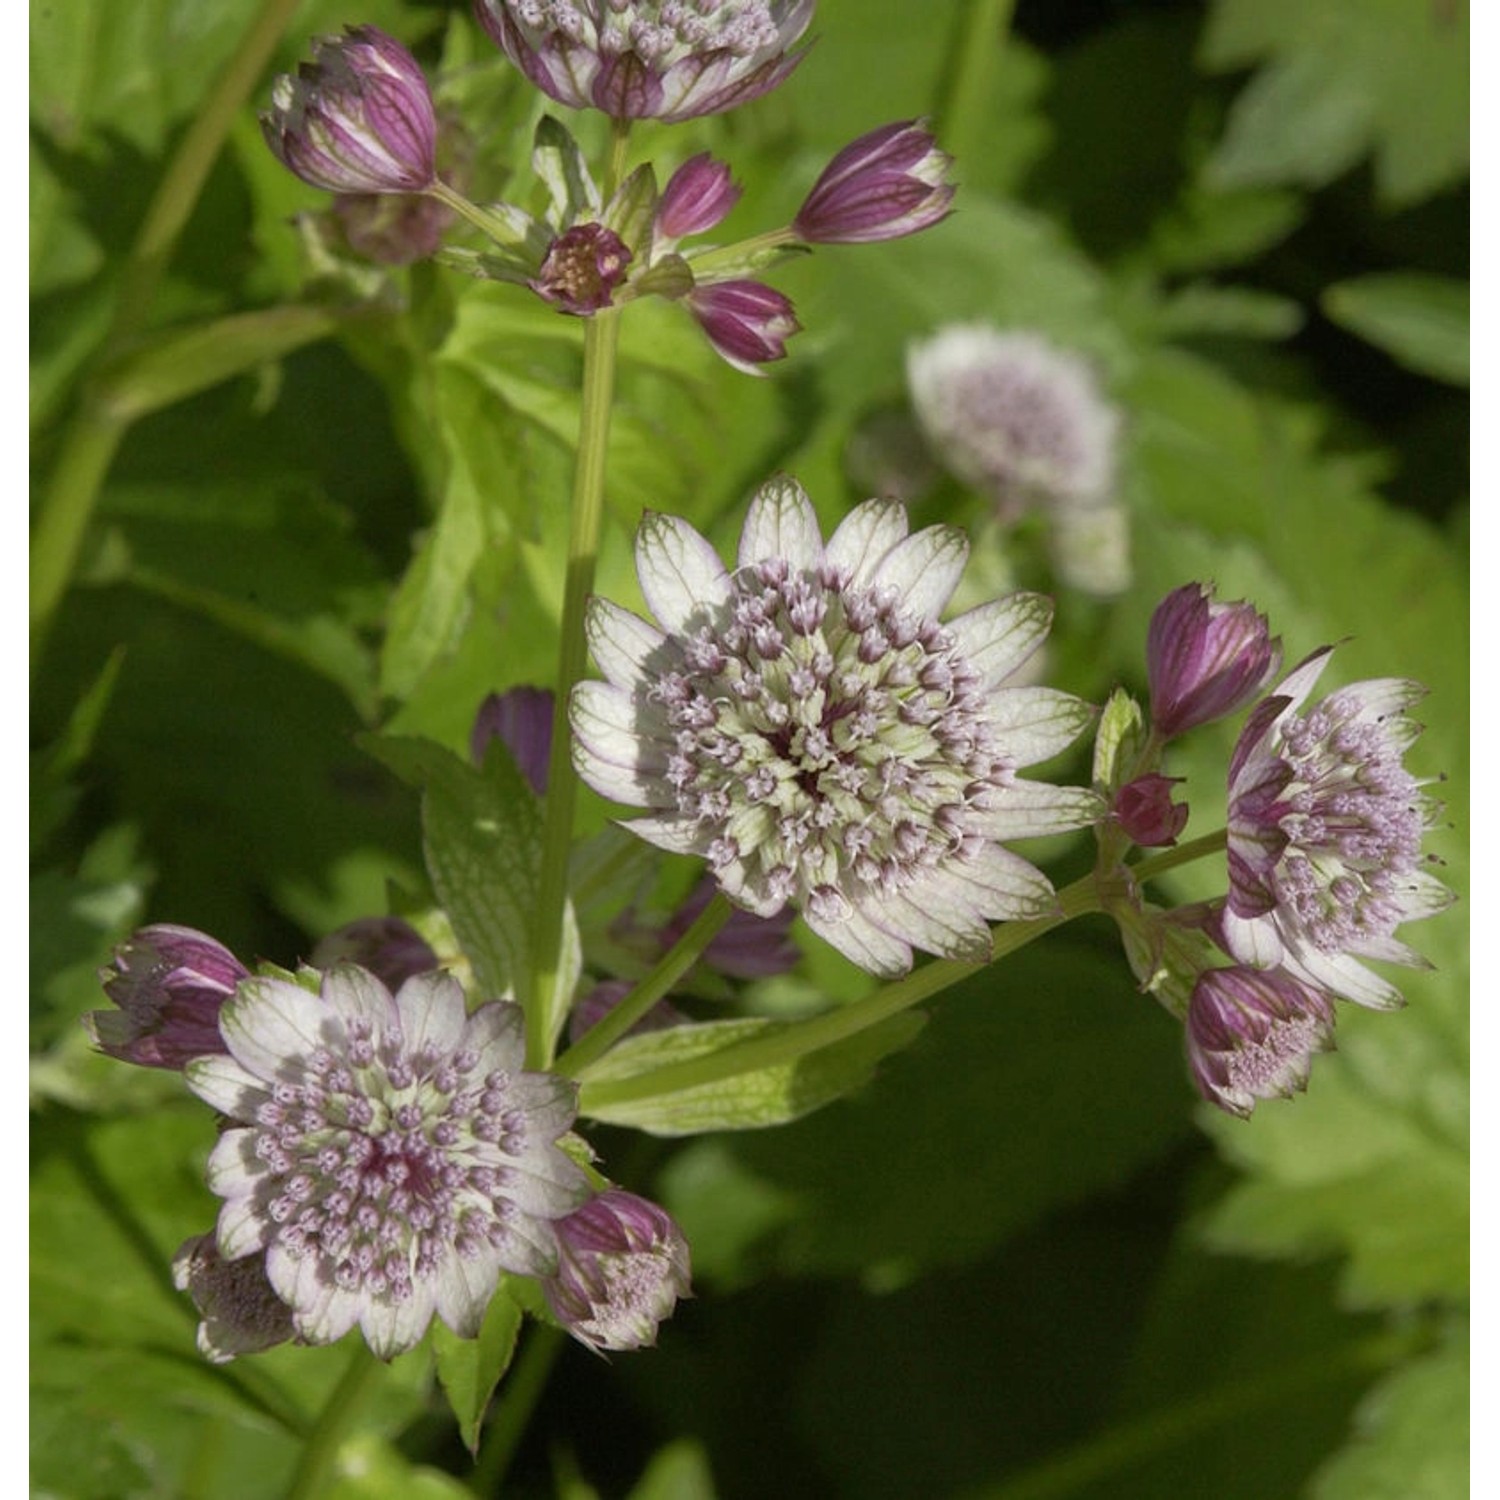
1251, 1034
1325, 835
388, 1156
807, 726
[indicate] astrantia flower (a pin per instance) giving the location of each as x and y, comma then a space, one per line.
1015, 416
697, 197
240, 1309
169, 984
582, 269
1325, 835
807, 725
357, 119
1205, 660
389, 1157
649, 59
1251, 1034
1145, 810
623, 1264
887, 184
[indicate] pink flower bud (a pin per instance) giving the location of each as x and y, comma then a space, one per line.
746, 321
1145, 810
1251, 1034
1205, 659
622, 1265
357, 119
886, 184
169, 983
697, 198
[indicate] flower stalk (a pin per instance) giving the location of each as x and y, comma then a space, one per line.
600, 341
314, 1472
674, 964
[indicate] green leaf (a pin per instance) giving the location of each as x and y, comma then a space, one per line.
1205, 230
746, 1101
1422, 322
482, 835
470, 1369
680, 1471
1411, 1437
1121, 733
1341, 79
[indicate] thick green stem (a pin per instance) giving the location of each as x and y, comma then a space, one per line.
683, 955
524, 1383
804, 1037
600, 339
314, 1471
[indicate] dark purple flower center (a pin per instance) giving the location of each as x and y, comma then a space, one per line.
582, 268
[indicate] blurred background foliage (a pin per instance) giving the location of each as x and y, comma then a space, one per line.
1023, 1262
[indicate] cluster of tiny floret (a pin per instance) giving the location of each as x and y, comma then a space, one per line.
382, 1164
1355, 820
829, 731
658, 32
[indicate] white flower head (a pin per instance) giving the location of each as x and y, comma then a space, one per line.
1325, 835
807, 725
1016, 417
388, 1156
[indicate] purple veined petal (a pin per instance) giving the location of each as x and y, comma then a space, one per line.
781, 522
747, 322
887, 184
925, 568
865, 537
680, 574
697, 197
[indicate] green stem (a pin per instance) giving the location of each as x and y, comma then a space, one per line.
315, 1468
484, 221
1184, 854
601, 336
524, 1383
683, 955
92, 438
969, 76
804, 1037
614, 167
